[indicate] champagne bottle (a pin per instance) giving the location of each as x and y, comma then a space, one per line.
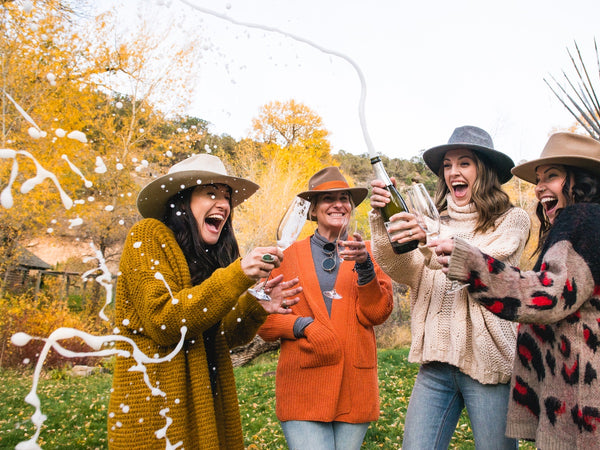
396, 205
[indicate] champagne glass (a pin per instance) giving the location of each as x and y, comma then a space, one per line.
428, 218
288, 231
426, 214
333, 294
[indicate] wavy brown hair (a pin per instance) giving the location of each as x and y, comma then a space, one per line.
490, 200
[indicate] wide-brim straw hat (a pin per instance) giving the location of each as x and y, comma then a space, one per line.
330, 179
568, 149
478, 140
194, 171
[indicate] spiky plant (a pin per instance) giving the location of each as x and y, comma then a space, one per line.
578, 94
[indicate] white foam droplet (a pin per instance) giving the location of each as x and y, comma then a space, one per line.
20, 339
34, 133
78, 136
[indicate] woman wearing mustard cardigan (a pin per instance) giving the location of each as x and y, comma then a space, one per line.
181, 300
326, 383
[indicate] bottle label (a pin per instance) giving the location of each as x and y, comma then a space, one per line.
393, 233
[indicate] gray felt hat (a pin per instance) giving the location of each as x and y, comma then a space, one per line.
478, 140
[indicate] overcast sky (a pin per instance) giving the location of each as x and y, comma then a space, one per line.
429, 66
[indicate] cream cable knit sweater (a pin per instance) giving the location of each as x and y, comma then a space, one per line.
452, 328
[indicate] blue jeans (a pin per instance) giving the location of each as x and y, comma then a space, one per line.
440, 393
307, 435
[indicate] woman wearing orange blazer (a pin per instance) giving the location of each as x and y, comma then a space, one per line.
326, 384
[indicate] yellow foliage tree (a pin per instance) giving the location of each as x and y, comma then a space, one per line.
58, 79
289, 145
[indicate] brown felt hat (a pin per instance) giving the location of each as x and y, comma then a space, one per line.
193, 171
330, 179
567, 149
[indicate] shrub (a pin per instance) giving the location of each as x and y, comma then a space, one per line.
395, 332
39, 318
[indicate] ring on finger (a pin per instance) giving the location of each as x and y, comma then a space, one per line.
267, 257
410, 233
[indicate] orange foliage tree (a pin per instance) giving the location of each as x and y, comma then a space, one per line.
289, 144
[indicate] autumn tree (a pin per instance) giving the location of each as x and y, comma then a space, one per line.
42, 99
287, 145
60, 78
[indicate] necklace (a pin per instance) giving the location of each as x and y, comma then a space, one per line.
329, 263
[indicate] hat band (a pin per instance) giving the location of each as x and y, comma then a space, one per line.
338, 184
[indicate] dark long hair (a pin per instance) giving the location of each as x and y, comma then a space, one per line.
586, 189
202, 259
490, 200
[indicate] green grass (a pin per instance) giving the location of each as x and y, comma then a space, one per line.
77, 407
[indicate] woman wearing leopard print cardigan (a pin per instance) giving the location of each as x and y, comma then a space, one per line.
555, 398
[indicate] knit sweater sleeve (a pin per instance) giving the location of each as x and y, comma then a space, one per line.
562, 280
242, 322
159, 297
375, 298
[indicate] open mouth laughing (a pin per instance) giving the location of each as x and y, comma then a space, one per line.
549, 203
460, 189
214, 222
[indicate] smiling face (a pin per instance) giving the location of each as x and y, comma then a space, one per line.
211, 205
332, 210
460, 173
549, 188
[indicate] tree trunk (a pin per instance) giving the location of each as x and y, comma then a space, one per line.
244, 354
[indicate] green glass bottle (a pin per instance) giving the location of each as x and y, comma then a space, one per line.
396, 205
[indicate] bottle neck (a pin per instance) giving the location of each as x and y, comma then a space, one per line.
380, 171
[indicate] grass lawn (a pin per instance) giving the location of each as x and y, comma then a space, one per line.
77, 407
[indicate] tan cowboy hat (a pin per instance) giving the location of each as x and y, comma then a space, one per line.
193, 171
330, 179
568, 149
478, 140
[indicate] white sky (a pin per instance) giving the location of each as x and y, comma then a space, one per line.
429, 66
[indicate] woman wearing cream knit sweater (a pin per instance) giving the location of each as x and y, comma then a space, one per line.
466, 352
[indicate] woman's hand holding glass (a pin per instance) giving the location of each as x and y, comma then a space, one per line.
281, 293
424, 209
356, 249
443, 249
256, 266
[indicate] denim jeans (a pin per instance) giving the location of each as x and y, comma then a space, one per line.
440, 393
307, 435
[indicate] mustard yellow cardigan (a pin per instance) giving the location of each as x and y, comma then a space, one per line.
150, 315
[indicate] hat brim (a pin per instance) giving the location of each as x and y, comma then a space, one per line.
151, 200
498, 161
358, 194
526, 171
